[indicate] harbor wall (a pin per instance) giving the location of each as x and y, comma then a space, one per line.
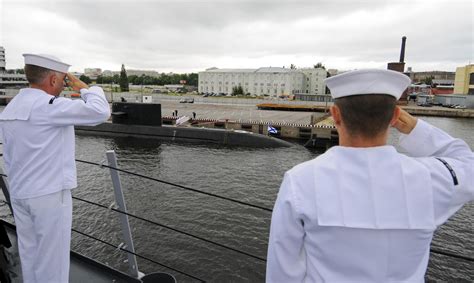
440, 112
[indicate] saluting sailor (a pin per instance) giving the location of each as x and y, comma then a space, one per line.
362, 212
38, 149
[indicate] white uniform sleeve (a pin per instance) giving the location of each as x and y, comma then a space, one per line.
93, 109
286, 259
453, 182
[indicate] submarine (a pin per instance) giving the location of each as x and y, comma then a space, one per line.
144, 120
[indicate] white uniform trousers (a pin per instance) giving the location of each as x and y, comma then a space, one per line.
44, 236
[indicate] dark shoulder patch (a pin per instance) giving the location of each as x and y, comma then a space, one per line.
52, 100
453, 174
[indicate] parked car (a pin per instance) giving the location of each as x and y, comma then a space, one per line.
425, 104
186, 100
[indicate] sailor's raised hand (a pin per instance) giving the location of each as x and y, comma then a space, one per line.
75, 83
405, 122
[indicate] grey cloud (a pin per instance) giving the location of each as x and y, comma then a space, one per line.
132, 18
182, 34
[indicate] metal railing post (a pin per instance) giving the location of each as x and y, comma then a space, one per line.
5, 188
120, 201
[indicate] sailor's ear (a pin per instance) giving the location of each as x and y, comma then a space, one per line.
52, 79
336, 114
396, 115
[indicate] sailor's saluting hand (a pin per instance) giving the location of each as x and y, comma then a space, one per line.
75, 83
405, 122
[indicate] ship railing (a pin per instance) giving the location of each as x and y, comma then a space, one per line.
127, 244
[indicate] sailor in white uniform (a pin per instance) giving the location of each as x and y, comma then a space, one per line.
362, 212
38, 149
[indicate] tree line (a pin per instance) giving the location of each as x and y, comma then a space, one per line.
163, 79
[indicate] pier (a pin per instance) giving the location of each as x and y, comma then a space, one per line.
296, 125
439, 112
306, 122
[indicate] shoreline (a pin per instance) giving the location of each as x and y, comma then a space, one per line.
439, 112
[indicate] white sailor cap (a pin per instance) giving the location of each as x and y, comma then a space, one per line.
368, 81
46, 61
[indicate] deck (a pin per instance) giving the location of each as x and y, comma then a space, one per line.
83, 269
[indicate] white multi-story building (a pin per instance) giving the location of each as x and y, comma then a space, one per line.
2, 59
92, 73
268, 81
108, 73
9, 79
143, 72
314, 81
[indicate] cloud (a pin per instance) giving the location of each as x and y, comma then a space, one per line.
193, 35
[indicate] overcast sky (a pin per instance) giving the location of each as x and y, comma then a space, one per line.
190, 36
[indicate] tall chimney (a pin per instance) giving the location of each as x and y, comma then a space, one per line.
402, 51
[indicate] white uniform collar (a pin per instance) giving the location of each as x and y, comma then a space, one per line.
20, 106
373, 188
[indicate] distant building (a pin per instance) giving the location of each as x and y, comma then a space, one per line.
447, 78
92, 73
155, 74
108, 73
2, 60
9, 79
139, 73
266, 81
77, 74
464, 81
442, 89
333, 72
314, 80
450, 99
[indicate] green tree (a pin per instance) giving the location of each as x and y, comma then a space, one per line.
123, 79
292, 66
241, 90
428, 80
99, 80
175, 78
85, 79
107, 80
132, 79
328, 75
237, 90
148, 80
116, 78
192, 79
139, 80
319, 65
164, 79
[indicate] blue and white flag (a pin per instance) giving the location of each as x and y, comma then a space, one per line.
272, 130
